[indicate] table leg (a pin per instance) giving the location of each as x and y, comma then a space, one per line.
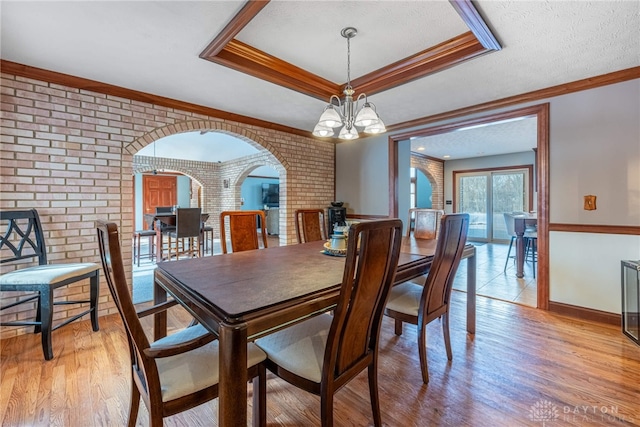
519, 255
233, 375
159, 243
159, 318
471, 293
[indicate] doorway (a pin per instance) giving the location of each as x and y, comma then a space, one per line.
541, 177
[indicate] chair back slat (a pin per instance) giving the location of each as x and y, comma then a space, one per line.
243, 230
23, 238
373, 249
310, 225
451, 242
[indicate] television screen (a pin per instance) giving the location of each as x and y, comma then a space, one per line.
271, 195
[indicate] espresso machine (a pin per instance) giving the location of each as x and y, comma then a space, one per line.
337, 215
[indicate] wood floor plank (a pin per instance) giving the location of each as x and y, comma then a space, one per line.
521, 360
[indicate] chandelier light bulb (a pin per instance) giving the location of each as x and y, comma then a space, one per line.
366, 116
322, 131
376, 128
348, 133
330, 117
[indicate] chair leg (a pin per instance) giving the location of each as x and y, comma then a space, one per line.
373, 393
136, 251
135, 404
447, 336
46, 318
38, 326
326, 409
260, 398
422, 352
94, 293
508, 253
398, 327
152, 248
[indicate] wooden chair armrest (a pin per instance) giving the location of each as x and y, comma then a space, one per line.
156, 308
172, 350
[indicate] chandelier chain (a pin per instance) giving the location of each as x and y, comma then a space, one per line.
348, 62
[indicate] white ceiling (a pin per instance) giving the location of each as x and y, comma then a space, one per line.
153, 47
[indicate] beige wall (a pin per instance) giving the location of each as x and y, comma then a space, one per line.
69, 153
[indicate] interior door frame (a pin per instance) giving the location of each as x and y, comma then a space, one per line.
541, 176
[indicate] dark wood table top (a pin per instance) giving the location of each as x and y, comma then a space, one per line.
244, 295
259, 277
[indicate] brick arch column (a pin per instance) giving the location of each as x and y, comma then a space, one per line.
220, 183
434, 171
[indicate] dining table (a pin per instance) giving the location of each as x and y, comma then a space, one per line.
523, 224
245, 295
157, 222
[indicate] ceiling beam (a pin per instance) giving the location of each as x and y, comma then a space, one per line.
229, 52
239, 21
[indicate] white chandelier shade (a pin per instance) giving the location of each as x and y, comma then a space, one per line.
342, 117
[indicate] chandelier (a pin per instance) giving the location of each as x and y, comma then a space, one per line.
347, 114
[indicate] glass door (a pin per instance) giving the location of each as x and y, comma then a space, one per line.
487, 195
473, 195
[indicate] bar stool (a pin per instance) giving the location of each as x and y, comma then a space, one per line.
137, 235
207, 230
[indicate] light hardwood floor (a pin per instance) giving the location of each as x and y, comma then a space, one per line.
524, 367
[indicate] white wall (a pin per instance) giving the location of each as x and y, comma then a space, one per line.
585, 268
594, 149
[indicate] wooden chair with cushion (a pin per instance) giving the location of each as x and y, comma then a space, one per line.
424, 222
310, 225
416, 304
175, 373
23, 243
187, 233
243, 230
322, 354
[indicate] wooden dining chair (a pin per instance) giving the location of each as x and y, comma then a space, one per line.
322, 354
310, 225
419, 305
177, 372
23, 243
187, 234
243, 230
424, 222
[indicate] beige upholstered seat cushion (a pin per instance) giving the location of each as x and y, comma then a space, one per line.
47, 274
299, 348
195, 370
405, 298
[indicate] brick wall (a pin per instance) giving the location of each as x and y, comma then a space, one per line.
434, 171
69, 153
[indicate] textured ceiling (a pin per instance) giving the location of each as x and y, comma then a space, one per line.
154, 47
